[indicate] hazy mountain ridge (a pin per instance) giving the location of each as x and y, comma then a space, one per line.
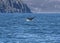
38, 6
11, 6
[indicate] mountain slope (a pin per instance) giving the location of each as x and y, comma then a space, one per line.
11, 6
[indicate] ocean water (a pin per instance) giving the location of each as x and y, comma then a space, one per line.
44, 28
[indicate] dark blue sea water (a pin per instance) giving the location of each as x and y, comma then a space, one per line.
44, 28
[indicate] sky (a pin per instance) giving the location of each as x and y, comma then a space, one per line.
38, 6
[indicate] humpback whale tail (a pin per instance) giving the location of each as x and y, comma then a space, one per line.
30, 18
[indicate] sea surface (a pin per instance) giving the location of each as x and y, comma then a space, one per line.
44, 28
